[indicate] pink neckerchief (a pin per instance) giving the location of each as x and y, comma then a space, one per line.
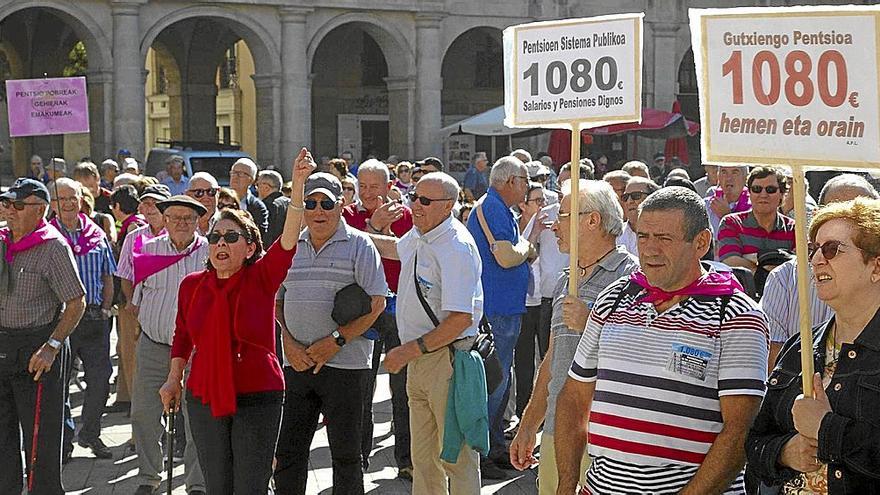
744, 203
44, 232
136, 218
90, 235
710, 284
146, 264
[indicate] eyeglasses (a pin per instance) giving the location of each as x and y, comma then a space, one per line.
829, 249
198, 193
413, 197
176, 219
67, 199
230, 237
231, 206
635, 195
239, 173
537, 201
326, 204
769, 189
566, 216
349, 189
18, 205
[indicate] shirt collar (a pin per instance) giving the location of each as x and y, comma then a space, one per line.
437, 231
612, 260
870, 336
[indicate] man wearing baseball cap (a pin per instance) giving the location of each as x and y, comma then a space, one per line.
162, 264
41, 301
326, 365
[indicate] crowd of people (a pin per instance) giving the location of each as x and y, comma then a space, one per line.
261, 310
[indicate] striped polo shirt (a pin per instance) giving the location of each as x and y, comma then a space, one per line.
656, 409
740, 234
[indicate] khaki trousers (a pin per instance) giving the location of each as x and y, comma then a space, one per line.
548, 476
428, 379
127, 331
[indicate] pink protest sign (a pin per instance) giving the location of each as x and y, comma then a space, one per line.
39, 107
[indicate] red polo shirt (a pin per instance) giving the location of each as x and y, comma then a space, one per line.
357, 216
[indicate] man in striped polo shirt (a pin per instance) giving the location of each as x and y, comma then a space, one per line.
669, 373
743, 236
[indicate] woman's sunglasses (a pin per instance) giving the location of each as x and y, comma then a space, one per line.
230, 237
769, 189
326, 204
829, 248
198, 193
413, 197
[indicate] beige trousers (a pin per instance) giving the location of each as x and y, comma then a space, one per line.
127, 330
548, 476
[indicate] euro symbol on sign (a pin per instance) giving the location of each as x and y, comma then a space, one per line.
854, 99
619, 84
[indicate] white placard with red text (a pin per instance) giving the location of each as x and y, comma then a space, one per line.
794, 85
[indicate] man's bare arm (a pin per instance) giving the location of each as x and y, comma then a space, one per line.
727, 456
386, 245
741, 262
445, 333
69, 319
572, 417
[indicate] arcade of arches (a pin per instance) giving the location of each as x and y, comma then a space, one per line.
382, 78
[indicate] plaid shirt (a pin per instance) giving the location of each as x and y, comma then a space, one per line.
44, 277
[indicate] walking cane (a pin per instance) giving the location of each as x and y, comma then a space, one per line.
169, 444
37, 408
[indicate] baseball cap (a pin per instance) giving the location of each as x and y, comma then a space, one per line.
123, 152
536, 168
659, 156
431, 160
324, 183
159, 192
131, 163
24, 188
182, 200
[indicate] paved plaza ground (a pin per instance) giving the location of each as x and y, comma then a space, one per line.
87, 475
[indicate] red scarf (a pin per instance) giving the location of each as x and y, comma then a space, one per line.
44, 232
90, 235
710, 284
211, 377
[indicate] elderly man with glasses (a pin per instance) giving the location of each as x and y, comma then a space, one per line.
203, 187
162, 264
242, 176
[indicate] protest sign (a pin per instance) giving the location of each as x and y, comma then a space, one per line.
573, 73
793, 86
38, 107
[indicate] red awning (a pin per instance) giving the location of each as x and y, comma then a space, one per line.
655, 124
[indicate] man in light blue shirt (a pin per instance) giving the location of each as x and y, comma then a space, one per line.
176, 181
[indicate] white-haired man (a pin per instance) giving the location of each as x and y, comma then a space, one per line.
441, 256
241, 176
268, 186
177, 181
203, 188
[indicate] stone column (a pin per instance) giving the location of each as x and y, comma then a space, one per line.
665, 80
128, 79
428, 85
100, 89
401, 115
268, 100
199, 109
296, 97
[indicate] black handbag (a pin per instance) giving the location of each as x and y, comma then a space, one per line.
484, 344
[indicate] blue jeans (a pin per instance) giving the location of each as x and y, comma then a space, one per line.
505, 329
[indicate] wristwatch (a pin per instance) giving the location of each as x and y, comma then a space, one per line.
54, 343
340, 340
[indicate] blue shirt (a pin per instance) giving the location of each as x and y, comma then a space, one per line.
177, 187
476, 181
93, 266
504, 289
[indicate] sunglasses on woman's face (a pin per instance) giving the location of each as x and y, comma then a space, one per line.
829, 249
326, 204
230, 237
413, 197
769, 189
198, 193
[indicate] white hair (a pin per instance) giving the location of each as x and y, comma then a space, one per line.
374, 166
449, 185
522, 154
634, 165
599, 196
272, 177
131, 163
70, 184
247, 162
844, 181
125, 179
205, 176
505, 168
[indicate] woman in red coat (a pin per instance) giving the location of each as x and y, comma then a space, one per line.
226, 331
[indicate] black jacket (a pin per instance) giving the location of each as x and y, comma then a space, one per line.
258, 212
849, 437
276, 205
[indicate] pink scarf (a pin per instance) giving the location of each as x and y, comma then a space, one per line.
90, 235
41, 234
742, 204
710, 284
146, 264
136, 218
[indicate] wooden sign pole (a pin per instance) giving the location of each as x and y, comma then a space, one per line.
573, 220
803, 277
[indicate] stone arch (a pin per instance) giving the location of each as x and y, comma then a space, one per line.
267, 57
98, 44
455, 29
398, 52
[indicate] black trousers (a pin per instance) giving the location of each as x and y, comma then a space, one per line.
339, 394
236, 451
386, 325
535, 326
18, 396
91, 343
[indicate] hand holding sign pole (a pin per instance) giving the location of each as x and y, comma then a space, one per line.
793, 86
573, 74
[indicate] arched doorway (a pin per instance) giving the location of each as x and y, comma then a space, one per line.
75, 48
207, 83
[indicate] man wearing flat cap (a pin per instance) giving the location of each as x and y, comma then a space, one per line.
327, 365
158, 270
41, 301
